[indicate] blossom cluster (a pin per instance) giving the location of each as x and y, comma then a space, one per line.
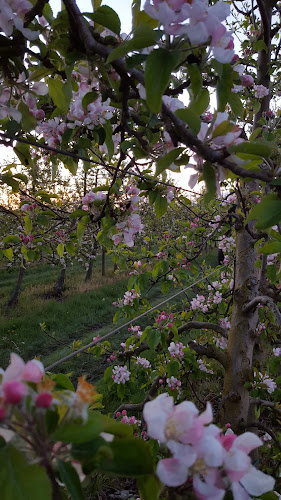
199, 303
128, 299
127, 229
143, 362
262, 379
91, 197
136, 330
12, 15
120, 374
176, 349
216, 462
95, 113
196, 20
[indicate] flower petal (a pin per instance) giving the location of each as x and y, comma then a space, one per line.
256, 482
172, 472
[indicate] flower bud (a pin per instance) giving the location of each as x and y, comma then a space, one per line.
43, 400
14, 391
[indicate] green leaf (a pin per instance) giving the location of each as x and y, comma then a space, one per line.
144, 36
224, 86
166, 160
11, 181
23, 153
272, 247
159, 65
260, 45
191, 118
58, 94
8, 252
77, 213
235, 104
60, 250
149, 487
107, 17
252, 148
11, 238
70, 248
153, 338
28, 121
222, 129
27, 224
129, 457
267, 212
161, 205
19, 480
89, 98
71, 480
209, 177
108, 139
173, 368
80, 231
200, 103
62, 382
195, 80
72, 432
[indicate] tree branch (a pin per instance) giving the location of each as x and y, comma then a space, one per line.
211, 352
263, 299
92, 47
268, 404
198, 325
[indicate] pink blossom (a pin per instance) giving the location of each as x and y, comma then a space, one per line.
33, 371
120, 374
14, 391
260, 91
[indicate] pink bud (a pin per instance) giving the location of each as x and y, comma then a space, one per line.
43, 400
14, 391
124, 412
247, 81
160, 381
118, 414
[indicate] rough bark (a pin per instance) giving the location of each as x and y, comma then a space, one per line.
15, 293
59, 286
89, 272
242, 334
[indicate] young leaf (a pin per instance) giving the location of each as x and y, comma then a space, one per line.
71, 480
60, 250
107, 17
267, 212
191, 118
210, 180
161, 205
144, 37
166, 160
252, 148
159, 65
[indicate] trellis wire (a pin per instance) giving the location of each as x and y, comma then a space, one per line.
116, 330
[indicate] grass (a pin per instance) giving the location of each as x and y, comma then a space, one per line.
85, 311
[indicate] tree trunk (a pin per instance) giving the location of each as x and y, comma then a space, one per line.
89, 272
242, 335
103, 262
59, 286
15, 293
